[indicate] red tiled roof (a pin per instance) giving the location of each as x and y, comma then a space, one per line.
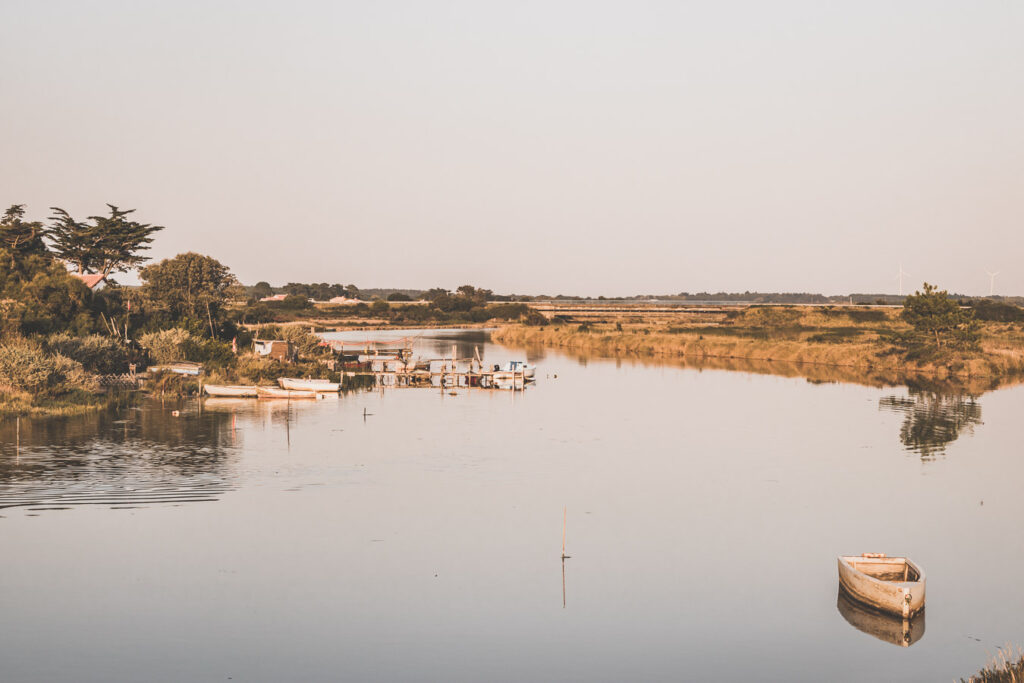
90, 279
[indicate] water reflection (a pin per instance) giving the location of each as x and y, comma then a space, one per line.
902, 632
123, 458
933, 419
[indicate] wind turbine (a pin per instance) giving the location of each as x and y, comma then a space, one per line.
992, 282
902, 273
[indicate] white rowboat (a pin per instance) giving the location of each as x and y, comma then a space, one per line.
322, 386
233, 391
894, 585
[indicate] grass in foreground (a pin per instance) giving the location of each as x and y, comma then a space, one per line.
1007, 666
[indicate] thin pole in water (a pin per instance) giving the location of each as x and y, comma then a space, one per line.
17, 429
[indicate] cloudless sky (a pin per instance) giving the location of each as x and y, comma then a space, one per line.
535, 147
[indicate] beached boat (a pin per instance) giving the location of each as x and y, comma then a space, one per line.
322, 386
275, 392
894, 585
891, 629
230, 391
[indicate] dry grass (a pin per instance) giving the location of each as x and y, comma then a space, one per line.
850, 339
1006, 666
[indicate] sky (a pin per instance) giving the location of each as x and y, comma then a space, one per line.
535, 147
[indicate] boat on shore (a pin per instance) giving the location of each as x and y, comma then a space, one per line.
277, 392
230, 391
322, 386
893, 585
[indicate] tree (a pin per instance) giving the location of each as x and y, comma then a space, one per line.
20, 237
189, 285
399, 296
933, 313
105, 245
261, 290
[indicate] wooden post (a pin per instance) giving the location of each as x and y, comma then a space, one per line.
17, 440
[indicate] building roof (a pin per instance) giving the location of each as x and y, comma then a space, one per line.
274, 297
91, 280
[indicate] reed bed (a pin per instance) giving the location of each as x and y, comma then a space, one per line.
799, 342
1006, 666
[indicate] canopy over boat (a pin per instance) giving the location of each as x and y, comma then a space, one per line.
894, 585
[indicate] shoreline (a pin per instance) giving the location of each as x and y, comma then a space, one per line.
877, 361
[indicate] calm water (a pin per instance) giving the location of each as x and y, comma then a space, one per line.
262, 541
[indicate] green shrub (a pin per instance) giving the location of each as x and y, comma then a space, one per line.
96, 353
26, 366
167, 346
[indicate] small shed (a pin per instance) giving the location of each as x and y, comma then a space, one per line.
278, 349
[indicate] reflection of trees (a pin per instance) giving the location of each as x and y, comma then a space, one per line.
118, 457
933, 419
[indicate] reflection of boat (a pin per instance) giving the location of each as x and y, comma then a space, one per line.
232, 391
891, 584
274, 392
503, 379
317, 385
891, 629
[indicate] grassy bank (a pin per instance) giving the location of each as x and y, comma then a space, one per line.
862, 342
20, 403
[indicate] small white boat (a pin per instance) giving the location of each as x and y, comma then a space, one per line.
275, 392
893, 585
521, 367
322, 386
231, 391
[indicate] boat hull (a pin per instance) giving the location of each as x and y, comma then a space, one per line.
318, 385
223, 391
876, 582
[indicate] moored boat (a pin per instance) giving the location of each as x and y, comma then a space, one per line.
893, 585
275, 392
520, 367
231, 391
322, 386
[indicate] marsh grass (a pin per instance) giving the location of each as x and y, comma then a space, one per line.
1006, 666
868, 341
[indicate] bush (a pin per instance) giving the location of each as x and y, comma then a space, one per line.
997, 311
25, 366
167, 346
380, 308
96, 353
535, 318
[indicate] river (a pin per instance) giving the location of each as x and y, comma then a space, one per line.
416, 535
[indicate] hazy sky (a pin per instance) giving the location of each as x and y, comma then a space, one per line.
575, 147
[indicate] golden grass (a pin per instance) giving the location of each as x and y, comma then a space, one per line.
791, 349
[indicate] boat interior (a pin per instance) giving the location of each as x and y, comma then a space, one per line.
891, 569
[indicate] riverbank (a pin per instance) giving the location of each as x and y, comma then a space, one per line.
23, 404
861, 342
